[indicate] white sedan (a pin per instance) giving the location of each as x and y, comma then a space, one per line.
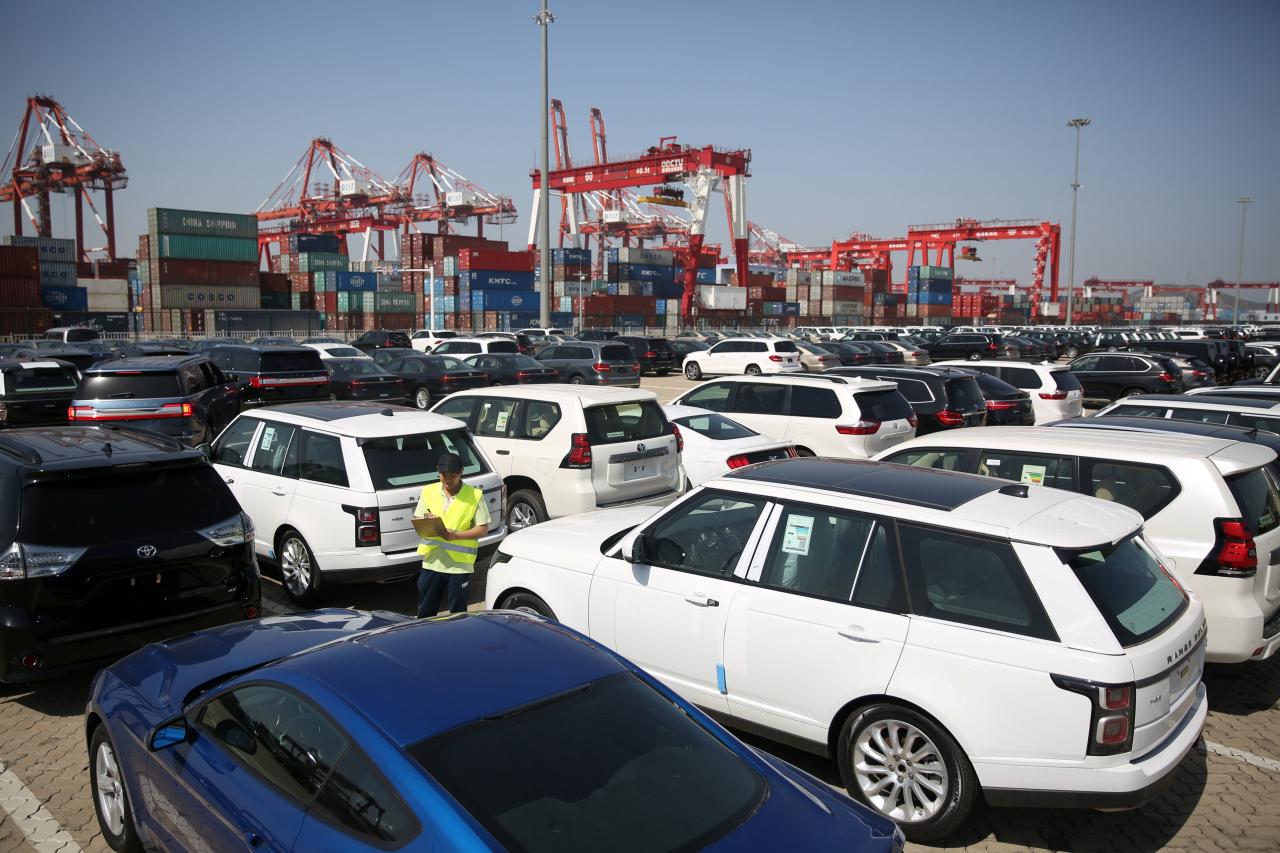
337, 351
714, 444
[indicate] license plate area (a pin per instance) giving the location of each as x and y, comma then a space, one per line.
641, 469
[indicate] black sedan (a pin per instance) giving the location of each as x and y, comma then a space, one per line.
683, 346
851, 354
362, 379
1006, 405
427, 378
509, 368
386, 355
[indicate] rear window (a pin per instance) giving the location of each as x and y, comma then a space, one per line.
503, 346
410, 460
1133, 592
109, 504
609, 748
715, 427
1065, 380
285, 362
398, 339
448, 362
130, 386
884, 406
344, 352
964, 394
626, 422
358, 367
784, 346
617, 352
1256, 497
74, 335
33, 380
659, 345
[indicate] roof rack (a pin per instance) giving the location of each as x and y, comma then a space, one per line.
20, 450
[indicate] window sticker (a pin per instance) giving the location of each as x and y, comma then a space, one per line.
1033, 475
268, 438
796, 535
500, 425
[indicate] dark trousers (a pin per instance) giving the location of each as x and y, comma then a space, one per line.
433, 586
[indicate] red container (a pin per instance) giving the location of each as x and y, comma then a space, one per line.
204, 273
300, 282
396, 322
19, 292
274, 282
112, 269
447, 245
20, 262
328, 301
501, 261
25, 321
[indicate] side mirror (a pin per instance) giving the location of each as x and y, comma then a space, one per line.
169, 734
639, 550
206, 451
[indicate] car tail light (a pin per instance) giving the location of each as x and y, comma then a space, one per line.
1199, 374
1235, 554
792, 453
675, 430
579, 455
368, 530
1165, 377
37, 561
775, 358
1111, 713
739, 461
522, 374
255, 382
650, 354
863, 427
1001, 405
916, 354
946, 417
1053, 395
601, 367
991, 345
913, 420
236, 530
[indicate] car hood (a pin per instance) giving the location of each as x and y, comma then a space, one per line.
574, 542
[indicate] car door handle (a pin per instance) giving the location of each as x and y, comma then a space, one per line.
278, 494
857, 633
503, 452
229, 480
701, 600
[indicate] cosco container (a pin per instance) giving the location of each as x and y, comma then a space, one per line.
51, 249
207, 248
193, 296
201, 223
57, 274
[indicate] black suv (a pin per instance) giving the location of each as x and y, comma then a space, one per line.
187, 398
1006, 404
1213, 353
428, 378
969, 345
370, 341
1112, 375
942, 397
654, 354
35, 391
112, 538
273, 374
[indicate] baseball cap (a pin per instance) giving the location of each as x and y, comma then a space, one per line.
449, 463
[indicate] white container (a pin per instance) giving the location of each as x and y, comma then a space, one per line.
99, 302
722, 298
354, 186
652, 257
67, 154
104, 286
460, 198
844, 277
795, 277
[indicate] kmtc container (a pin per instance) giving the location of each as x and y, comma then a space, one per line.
206, 248
496, 280
201, 223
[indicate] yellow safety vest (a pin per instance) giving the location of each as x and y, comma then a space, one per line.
460, 515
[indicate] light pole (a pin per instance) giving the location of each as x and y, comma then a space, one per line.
544, 19
582, 286
1244, 201
1077, 123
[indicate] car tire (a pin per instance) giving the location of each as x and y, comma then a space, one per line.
422, 398
862, 766
692, 371
974, 356
110, 797
752, 370
299, 574
575, 380
525, 508
1261, 372
1129, 392
526, 602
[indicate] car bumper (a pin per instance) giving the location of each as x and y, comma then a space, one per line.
1239, 630
61, 657
581, 497
1121, 786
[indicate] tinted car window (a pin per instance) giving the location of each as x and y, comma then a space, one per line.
616, 352
626, 422
784, 346
31, 380
1022, 377
114, 503
130, 386
1065, 380
1134, 593
809, 402
879, 583
713, 397
759, 398
706, 535
964, 394
633, 753
915, 390
410, 460
538, 419
232, 446
283, 362
497, 417
1146, 488
321, 459
715, 427
1256, 497
458, 407
503, 346
357, 797
883, 406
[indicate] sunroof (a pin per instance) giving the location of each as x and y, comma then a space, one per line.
924, 487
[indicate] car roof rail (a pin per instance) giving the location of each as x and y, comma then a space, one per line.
20, 450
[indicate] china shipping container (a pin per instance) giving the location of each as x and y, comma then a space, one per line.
207, 248
201, 223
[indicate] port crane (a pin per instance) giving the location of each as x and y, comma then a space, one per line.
62, 158
450, 197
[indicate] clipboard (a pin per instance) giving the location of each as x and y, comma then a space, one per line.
431, 525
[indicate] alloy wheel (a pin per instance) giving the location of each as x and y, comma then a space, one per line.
521, 516
900, 771
422, 399
295, 565
110, 789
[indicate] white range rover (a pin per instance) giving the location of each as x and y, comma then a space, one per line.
941, 635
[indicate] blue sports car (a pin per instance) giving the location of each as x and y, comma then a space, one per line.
339, 730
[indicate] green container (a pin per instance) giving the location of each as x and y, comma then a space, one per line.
201, 223
206, 248
936, 272
321, 262
391, 302
324, 282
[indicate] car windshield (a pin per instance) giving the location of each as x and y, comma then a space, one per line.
130, 385
1135, 594
75, 335
111, 504
33, 380
626, 422
283, 362
410, 460
716, 427
610, 748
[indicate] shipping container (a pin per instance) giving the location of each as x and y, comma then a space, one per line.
192, 296
723, 298
326, 243
505, 300
52, 250
233, 322
355, 282
19, 262
390, 302
630, 255
202, 223
205, 273
19, 292
321, 262
571, 256
496, 280
57, 274
207, 248
68, 298
497, 261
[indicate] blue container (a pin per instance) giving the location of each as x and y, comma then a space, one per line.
791, 309
57, 274
562, 319
506, 300
65, 298
356, 282
496, 280
660, 307
668, 290
571, 256
645, 272
703, 277
327, 243
934, 298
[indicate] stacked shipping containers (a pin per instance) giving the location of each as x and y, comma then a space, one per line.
929, 294
21, 311
59, 288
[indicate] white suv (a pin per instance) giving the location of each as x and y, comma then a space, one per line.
463, 347
842, 416
1056, 393
424, 340
1211, 507
752, 356
566, 449
943, 636
1212, 409
331, 487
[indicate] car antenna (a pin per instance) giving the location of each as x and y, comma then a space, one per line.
389, 413
1017, 490
107, 448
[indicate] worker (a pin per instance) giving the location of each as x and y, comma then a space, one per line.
449, 558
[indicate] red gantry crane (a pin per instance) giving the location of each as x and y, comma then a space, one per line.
450, 197
62, 158
701, 169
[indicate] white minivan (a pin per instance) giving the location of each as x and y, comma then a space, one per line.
943, 637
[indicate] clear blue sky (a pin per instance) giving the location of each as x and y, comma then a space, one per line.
860, 116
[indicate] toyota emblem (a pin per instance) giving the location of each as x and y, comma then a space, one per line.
639, 448
146, 552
